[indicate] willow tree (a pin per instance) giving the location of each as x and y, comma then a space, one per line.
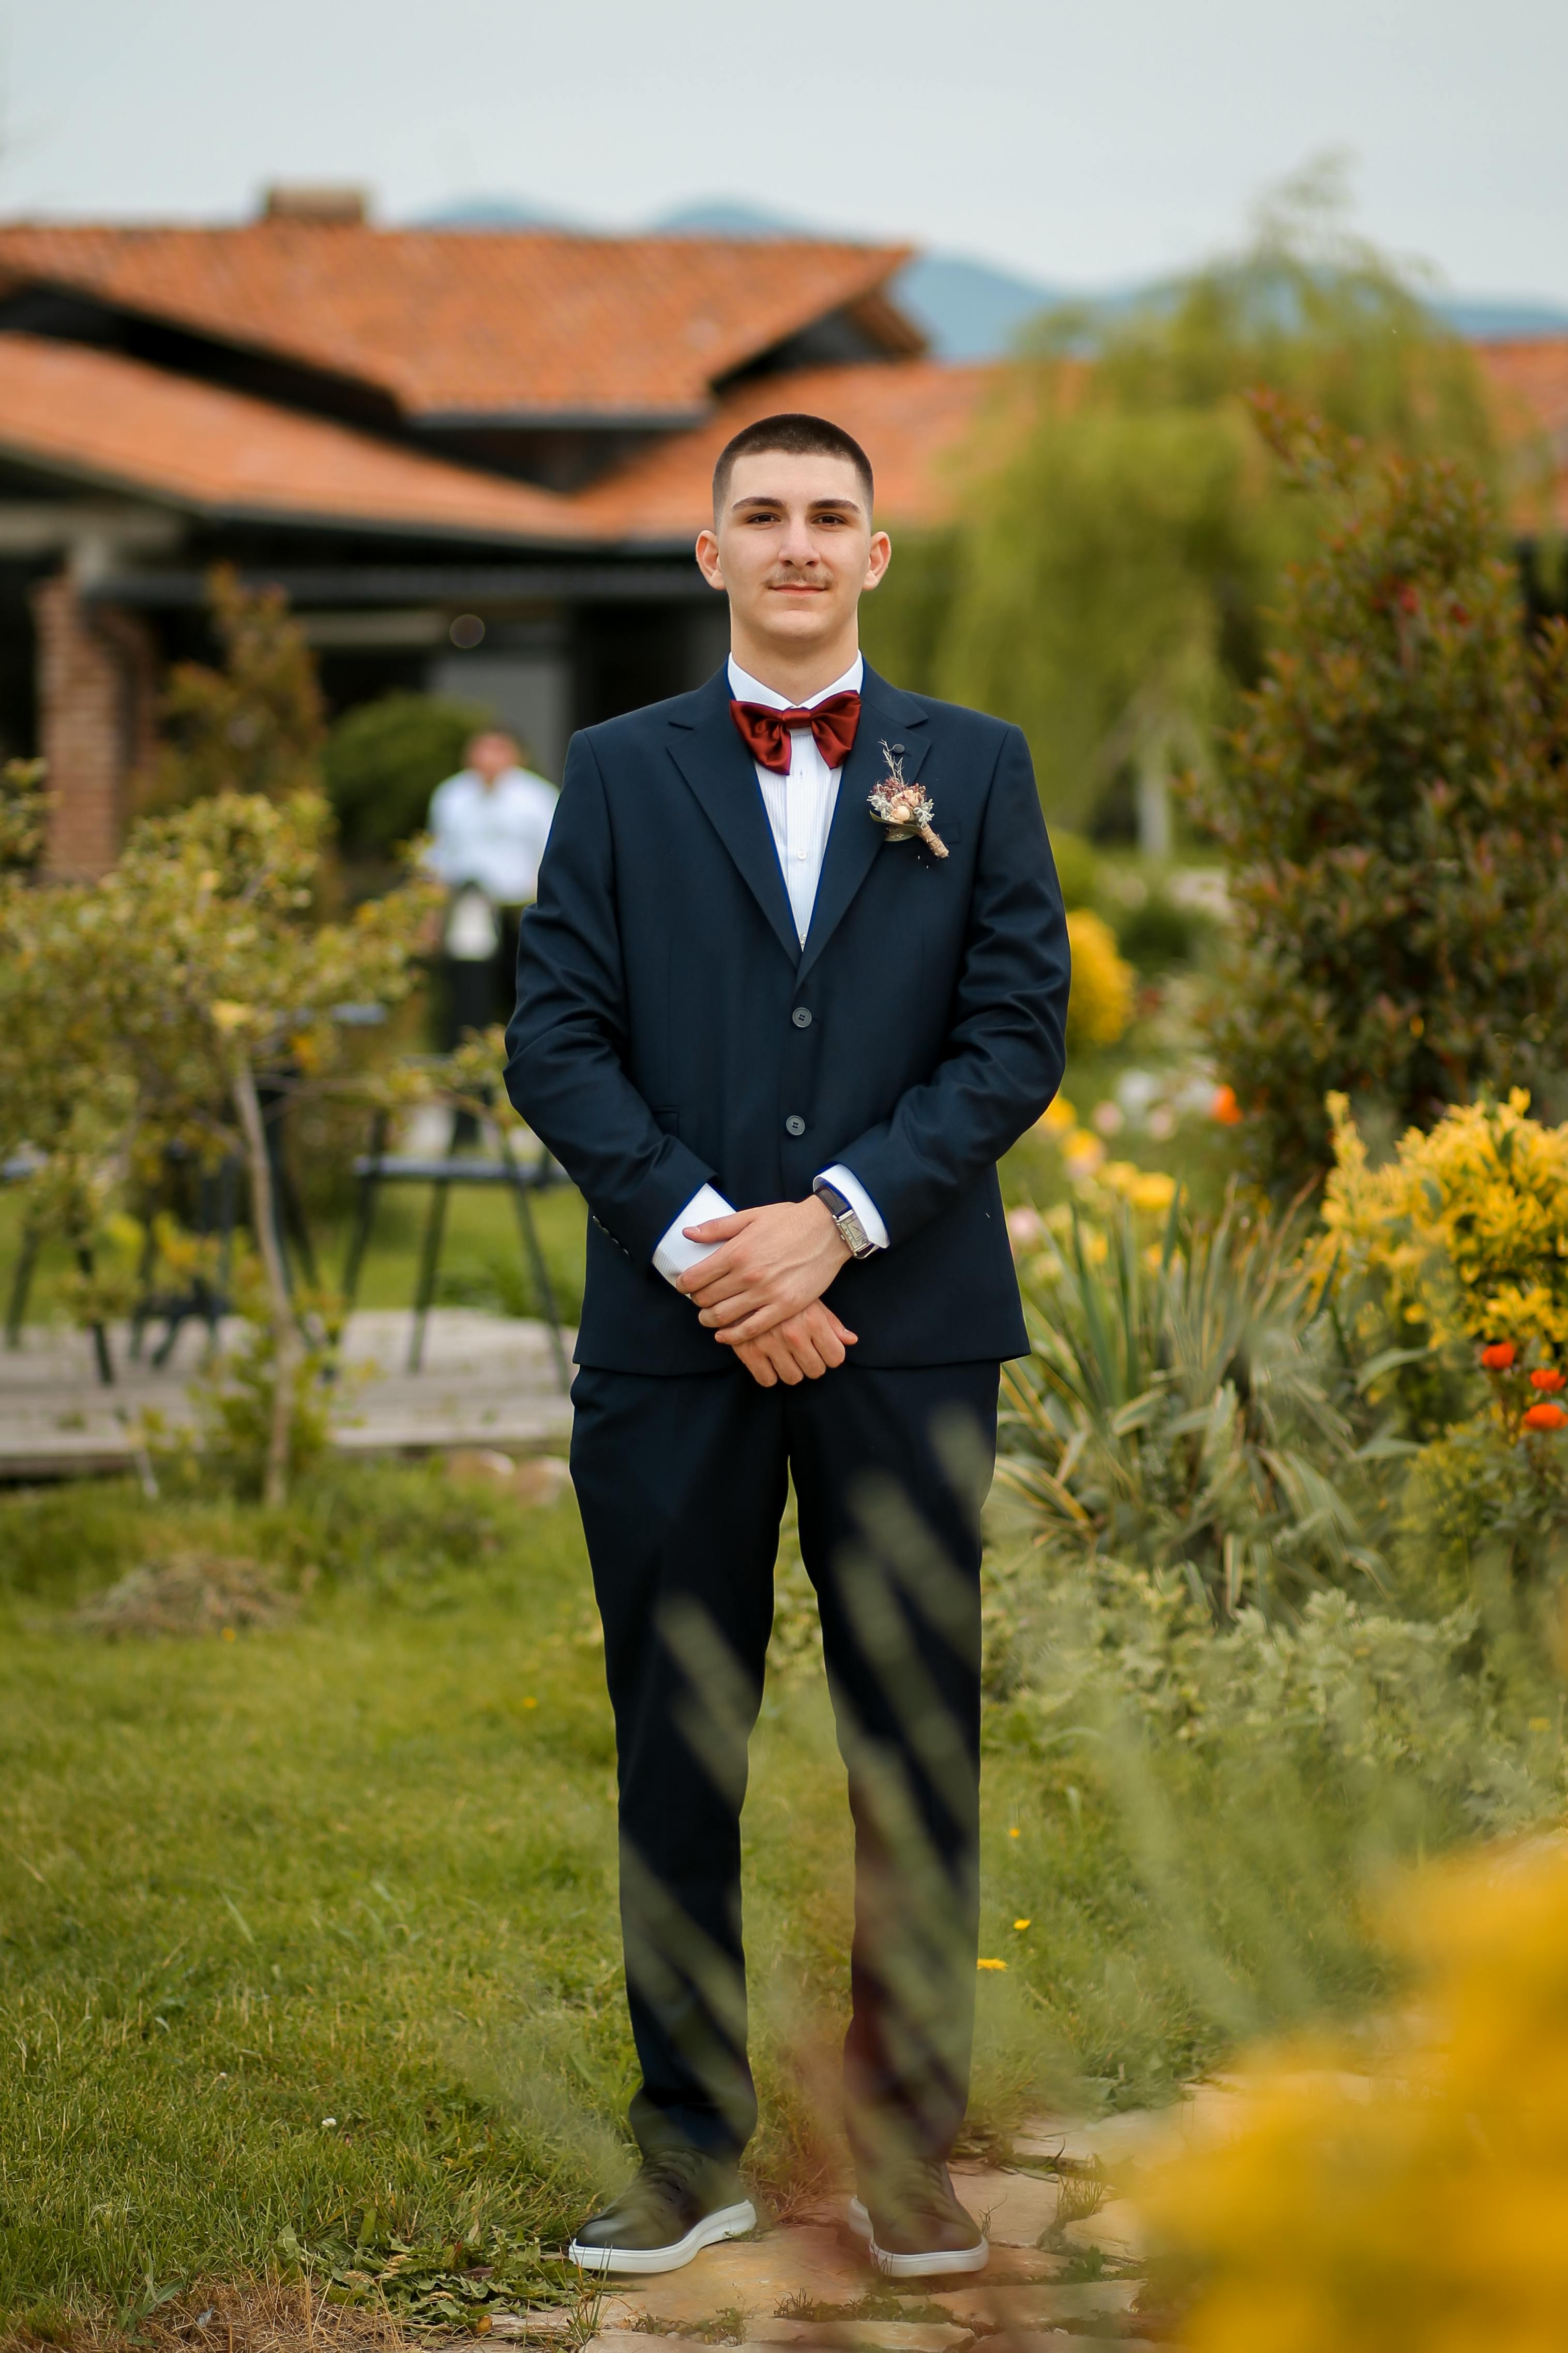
1123, 526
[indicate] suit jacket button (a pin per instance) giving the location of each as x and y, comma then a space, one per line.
795, 1124
801, 1016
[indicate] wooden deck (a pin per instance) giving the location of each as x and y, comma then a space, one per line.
487, 1380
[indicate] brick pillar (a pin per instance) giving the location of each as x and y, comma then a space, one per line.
96, 675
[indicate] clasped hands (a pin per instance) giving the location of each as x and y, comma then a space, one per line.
761, 1291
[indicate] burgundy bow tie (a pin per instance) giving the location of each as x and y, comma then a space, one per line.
832, 722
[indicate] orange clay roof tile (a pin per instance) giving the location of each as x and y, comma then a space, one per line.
1529, 384
119, 424
476, 323
915, 419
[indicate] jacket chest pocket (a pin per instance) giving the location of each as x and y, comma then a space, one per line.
920, 853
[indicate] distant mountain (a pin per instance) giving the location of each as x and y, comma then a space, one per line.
1484, 319
730, 216
969, 310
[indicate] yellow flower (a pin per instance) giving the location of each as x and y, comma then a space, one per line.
1020, 1925
227, 1016
1154, 1191
990, 1965
1099, 1006
1463, 1231
1408, 2191
1057, 1114
1082, 1153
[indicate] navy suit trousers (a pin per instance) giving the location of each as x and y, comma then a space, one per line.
681, 1481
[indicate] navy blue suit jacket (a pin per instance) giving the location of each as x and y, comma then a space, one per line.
671, 1031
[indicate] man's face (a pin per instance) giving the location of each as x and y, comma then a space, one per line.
794, 547
491, 756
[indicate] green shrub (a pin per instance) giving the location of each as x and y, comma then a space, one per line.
383, 761
1078, 869
1187, 1407
1158, 933
1394, 814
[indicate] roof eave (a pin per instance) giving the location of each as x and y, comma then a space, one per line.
271, 514
562, 420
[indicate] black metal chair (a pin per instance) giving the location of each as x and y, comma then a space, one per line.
207, 1198
378, 1166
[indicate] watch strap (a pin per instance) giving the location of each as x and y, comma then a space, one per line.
857, 1240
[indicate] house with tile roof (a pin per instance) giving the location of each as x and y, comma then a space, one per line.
475, 459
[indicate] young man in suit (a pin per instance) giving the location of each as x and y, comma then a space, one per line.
779, 1038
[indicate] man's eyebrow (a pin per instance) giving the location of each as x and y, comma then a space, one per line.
768, 498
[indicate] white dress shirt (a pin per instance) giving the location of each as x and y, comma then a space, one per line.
800, 813
492, 836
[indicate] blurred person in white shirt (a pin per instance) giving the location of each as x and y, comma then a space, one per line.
489, 825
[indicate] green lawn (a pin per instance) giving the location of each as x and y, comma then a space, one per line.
360, 1867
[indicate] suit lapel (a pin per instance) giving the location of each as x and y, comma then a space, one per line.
855, 838
709, 752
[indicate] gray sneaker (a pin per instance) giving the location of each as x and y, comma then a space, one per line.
681, 2202
914, 2226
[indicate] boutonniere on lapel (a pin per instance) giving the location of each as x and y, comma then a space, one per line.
903, 811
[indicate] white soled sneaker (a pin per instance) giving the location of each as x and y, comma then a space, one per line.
914, 2226
681, 2202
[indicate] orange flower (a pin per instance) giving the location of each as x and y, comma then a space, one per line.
1224, 1107
1498, 1356
1547, 1379
1545, 1416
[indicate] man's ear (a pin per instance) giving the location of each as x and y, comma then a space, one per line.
878, 557
708, 562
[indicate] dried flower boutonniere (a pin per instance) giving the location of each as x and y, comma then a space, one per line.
903, 809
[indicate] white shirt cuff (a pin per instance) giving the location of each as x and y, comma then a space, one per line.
860, 1201
675, 1254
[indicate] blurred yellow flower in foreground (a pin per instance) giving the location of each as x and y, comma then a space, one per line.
1415, 2200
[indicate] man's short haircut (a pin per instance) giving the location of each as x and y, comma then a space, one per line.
799, 437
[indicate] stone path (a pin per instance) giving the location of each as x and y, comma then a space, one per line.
1028, 2300
487, 1381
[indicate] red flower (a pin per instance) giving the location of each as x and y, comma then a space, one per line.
1224, 1107
1498, 1356
1545, 1416
1547, 1379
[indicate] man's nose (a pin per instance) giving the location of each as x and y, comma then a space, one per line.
798, 546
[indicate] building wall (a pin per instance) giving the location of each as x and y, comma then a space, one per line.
96, 720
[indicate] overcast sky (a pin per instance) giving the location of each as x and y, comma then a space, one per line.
1087, 144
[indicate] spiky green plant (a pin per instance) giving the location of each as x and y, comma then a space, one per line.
1189, 1404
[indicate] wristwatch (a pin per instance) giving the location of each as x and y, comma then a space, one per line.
857, 1242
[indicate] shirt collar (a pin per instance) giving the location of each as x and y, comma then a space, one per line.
747, 689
